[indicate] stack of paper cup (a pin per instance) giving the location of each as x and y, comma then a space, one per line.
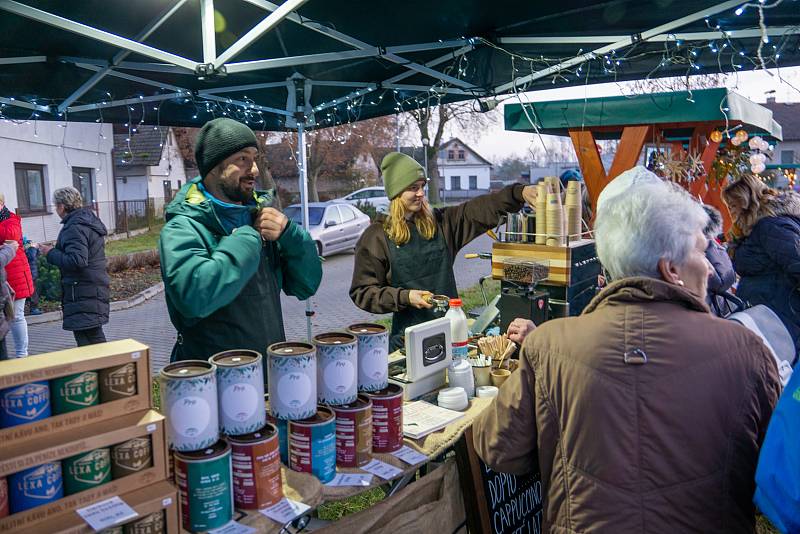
573, 208
555, 218
541, 209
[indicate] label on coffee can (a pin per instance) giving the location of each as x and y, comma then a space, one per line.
204, 481
34, 487
149, 524
75, 392
87, 470
354, 433
131, 457
189, 400
24, 404
312, 445
118, 382
256, 469
387, 419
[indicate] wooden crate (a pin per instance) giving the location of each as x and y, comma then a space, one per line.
569, 264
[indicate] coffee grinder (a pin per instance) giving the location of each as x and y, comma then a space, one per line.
519, 296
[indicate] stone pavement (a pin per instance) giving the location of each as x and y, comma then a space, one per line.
149, 322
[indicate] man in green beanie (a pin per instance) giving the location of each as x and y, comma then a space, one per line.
226, 253
404, 259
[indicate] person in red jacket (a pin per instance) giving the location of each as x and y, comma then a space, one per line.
18, 273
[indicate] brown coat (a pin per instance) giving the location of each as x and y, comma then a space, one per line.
669, 445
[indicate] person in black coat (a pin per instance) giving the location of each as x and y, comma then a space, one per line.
80, 255
722, 276
766, 248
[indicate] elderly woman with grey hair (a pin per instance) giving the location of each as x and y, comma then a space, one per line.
646, 413
80, 255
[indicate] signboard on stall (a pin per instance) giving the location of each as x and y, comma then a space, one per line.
497, 503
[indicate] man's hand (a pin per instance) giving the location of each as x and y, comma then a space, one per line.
519, 329
13, 244
419, 298
44, 249
529, 194
270, 223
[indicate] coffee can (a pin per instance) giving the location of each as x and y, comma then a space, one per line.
387, 419
34, 487
3, 497
117, 382
292, 380
281, 425
354, 432
86, 470
149, 524
119, 529
337, 368
312, 445
131, 457
240, 386
373, 355
24, 404
189, 401
256, 468
74, 392
205, 485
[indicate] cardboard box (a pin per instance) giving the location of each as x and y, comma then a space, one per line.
159, 496
20, 371
73, 441
569, 264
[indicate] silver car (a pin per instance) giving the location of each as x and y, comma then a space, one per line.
374, 196
333, 226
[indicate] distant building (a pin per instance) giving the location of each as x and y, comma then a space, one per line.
38, 157
787, 114
148, 164
463, 173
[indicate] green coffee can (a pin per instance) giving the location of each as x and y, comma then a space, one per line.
86, 470
74, 392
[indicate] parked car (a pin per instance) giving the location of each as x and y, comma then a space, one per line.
374, 196
334, 226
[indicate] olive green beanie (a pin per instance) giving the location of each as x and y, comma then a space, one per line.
399, 171
219, 139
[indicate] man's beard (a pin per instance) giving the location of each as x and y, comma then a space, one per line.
236, 192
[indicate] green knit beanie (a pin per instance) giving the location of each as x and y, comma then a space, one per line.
219, 139
399, 171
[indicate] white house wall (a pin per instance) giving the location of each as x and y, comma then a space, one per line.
465, 171
58, 147
169, 168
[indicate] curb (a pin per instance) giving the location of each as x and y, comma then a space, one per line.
117, 305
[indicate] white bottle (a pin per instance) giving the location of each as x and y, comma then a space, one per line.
458, 330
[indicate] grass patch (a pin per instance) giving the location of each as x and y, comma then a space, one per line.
333, 511
139, 243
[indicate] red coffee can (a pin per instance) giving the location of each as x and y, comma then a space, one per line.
354, 432
256, 468
387, 419
3, 497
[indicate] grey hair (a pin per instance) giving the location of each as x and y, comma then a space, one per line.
69, 197
649, 222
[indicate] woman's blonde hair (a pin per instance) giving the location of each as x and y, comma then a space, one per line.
752, 199
396, 224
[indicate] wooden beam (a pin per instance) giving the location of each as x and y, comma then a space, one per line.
628, 151
594, 174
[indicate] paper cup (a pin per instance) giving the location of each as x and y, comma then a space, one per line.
499, 376
482, 375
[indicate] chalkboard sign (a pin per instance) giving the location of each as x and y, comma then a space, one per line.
497, 503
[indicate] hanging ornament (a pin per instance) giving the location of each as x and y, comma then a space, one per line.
755, 143
741, 136
758, 168
716, 136
735, 141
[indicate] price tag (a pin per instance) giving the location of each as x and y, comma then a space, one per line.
136, 355
233, 528
410, 456
350, 479
108, 513
285, 510
151, 427
382, 469
166, 502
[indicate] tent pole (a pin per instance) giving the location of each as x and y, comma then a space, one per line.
302, 160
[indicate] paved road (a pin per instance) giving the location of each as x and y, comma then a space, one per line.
149, 322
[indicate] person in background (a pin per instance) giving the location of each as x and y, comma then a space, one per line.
32, 253
645, 413
80, 255
765, 247
722, 275
18, 274
8, 252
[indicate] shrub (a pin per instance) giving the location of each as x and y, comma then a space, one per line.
136, 260
368, 209
116, 264
49, 281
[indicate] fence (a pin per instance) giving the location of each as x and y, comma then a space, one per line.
119, 217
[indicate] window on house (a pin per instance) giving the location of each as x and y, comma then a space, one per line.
473, 182
461, 154
31, 195
455, 183
451, 154
82, 180
787, 157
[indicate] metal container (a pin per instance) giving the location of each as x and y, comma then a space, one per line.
74, 392
149, 524
312, 445
86, 470
240, 386
24, 404
34, 487
117, 382
387, 419
189, 402
354, 432
292, 380
119, 529
131, 457
283, 437
3, 497
256, 469
337, 368
373, 355
204, 482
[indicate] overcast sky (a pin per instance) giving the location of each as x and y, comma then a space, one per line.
497, 143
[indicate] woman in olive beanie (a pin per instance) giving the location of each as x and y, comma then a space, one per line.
404, 259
